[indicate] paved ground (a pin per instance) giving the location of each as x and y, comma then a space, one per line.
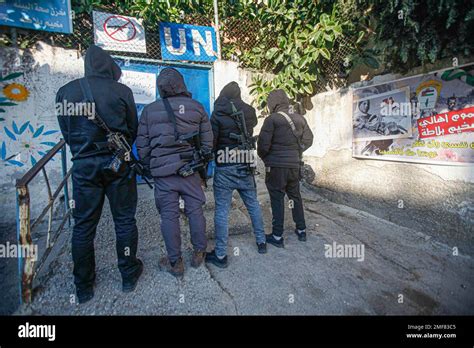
8, 273
296, 280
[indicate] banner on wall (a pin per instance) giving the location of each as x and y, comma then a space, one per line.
142, 84
119, 33
52, 15
187, 42
374, 109
427, 118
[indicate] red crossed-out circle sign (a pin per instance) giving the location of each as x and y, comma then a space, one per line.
120, 28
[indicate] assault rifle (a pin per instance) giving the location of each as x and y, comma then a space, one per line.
246, 142
201, 157
116, 141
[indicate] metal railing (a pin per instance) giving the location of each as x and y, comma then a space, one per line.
29, 265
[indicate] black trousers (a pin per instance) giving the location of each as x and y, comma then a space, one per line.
281, 181
91, 183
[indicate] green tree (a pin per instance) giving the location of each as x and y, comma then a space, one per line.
409, 33
295, 39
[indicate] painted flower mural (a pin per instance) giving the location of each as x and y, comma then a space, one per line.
16, 91
13, 92
25, 144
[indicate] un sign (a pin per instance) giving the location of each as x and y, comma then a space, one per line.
188, 42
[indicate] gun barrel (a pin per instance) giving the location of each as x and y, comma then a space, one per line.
147, 182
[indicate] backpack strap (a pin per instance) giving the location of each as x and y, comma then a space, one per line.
290, 121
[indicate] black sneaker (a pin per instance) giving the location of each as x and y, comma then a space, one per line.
301, 235
262, 248
130, 284
276, 242
85, 295
212, 258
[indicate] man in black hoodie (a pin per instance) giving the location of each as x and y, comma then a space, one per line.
163, 152
114, 103
283, 138
232, 173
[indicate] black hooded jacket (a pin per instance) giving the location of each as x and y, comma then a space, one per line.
113, 102
277, 146
223, 123
156, 144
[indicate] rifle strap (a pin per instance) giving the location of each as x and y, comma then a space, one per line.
87, 92
171, 117
293, 130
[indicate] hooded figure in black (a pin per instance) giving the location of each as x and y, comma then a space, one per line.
164, 155
232, 171
114, 102
277, 145
223, 124
280, 148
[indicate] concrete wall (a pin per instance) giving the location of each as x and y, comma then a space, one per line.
437, 199
29, 129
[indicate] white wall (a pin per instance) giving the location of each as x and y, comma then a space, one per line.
437, 199
331, 122
45, 69
227, 71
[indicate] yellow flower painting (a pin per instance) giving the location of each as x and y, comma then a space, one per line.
16, 91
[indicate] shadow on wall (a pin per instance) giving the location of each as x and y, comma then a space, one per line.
401, 193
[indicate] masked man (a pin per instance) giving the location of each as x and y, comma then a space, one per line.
281, 142
92, 177
167, 134
232, 124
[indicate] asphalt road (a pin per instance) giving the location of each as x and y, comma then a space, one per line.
402, 272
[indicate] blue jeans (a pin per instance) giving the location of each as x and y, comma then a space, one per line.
226, 180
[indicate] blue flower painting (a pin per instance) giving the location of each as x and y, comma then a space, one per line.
25, 144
